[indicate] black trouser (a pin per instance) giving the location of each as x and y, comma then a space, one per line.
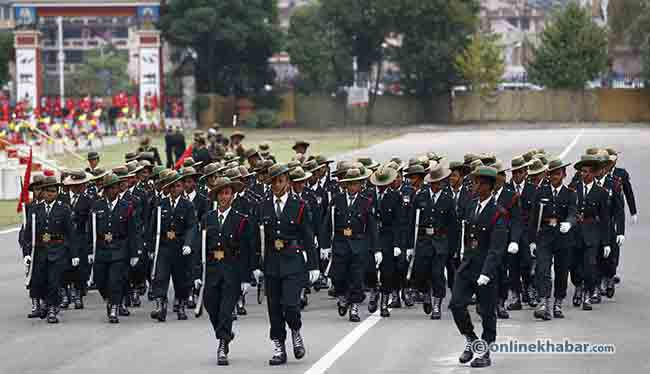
464, 287
451, 266
110, 279
219, 299
348, 277
583, 266
283, 299
550, 252
138, 274
607, 266
519, 266
171, 263
429, 274
388, 277
502, 282
47, 279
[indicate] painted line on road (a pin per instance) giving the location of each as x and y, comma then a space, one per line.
9, 231
344, 345
572, 144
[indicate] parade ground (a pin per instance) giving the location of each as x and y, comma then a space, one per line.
406, 342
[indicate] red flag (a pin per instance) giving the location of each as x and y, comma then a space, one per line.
24, 194
186, 154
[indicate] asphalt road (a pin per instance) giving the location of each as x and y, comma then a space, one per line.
407, 342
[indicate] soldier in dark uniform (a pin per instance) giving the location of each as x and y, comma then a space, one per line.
236, 145
253, 157
177, 229
145, 146
95, 182
229, 257
38, 304
461, 196
592, 231
436, 223
355, 239
554, 239
537, 173
415, 174
93, 161
200, 151
623, 178
300, 147
262, 187
55, 245
116, 238
287, 249
484, 244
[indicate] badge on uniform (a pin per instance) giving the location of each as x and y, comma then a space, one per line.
171, 235
347, 232
279, 244
108, 237
219, 255
46, 237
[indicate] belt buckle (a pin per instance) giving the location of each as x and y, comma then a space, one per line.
347, 232
46, 237
171, 235
552, 222
108, 237
473, 244
430, 230
279, 244
219, 255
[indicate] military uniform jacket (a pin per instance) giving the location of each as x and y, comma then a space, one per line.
229, 248
201, 205
623, 177
460, 199
81, 221
593, 216
320, 191
561, 209
355, 227
177, 226
525, 199
286, 238
315, 210
437, 223
117, 231
154, 150
143, 192
391, 221
55, 235
509, 201
246, 203
28, 213
485, 240
201, 155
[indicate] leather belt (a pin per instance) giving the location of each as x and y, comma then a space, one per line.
280, 244
432, 231
587, 220
349, 235
48, 238
551, 221
221, 254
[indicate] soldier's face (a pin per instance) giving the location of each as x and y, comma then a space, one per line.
280, 184
177, 189
144, 174
397, 183
93, 163
299, 187
111, 192
519, 175
455, 178
79, 188
224, 198
557, 176
353, 187
485, 187
501, 180
435, 186
124, 185
212, 179
190, 184
587, 174
50, 194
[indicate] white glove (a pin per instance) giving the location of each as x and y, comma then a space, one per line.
620, 239
483, 280
533, 248
606, 251
257, 274
27, 260
314, 275
244, 287
134, 261
378, 258
304, 255
151, 255
91, 259
197, 284
565, 227
75, 262
513, 248
409, 254
396, 252
635, 219
325, 253
316, 242
187, 250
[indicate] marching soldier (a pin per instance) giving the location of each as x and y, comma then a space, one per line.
552, 239
482, 250
229, 261
437, 218
287, 249
39, 309
93, 161
414, 174
354, 240
537, 172
55, 245
173, 229
461, 196
300, 147
624, 178
114, 236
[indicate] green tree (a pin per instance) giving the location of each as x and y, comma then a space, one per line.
6, 55
481, 64
232, 40
104, 72
434, 32
629, 21
572, 50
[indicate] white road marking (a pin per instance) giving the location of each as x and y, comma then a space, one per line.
572, 144
344, 345
10, 230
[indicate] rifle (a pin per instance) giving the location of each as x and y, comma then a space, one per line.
198, 310
329, 263
415, 241
155, 256
462, 239
30, 269
94, 223
260, 283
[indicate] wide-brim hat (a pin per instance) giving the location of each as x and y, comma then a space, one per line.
77, 177
50, 182
278, 169
300, 143
109, 180
165, 176
557, 163
223, 182
501, 168
122, 172
37, 182
368, 163
189, 172
536, 166
415, 169
468, 158
437, 173
237, 134
401, 164
143, 164
355, 175
459, 165
341, 168
155, 172
130, 156
93, 156
299, 175
485, 171
384, 176
148, 156
210, 169
518, 162
293, 164
245, 173
173, 178
588, 160
99, 174
322, 160
312, 165
251, 152
263, 166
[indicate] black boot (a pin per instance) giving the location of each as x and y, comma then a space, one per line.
577, 296
77, 298
51, 315
524, 293
122, 310
557, 309
135, 299
372, 303
354, 313
112, 316
298, 344
384, 305
436, 312
241, 306
426, 303
279, 353
182, 315
304, 300
396, 302
234, 313
482, 361
595, 296
544, 310
610, 287
222, 353
163, 311
515, 304
586, 301
65, 298
157, 306
43, 310
502, 313
190, 301
407, 298
343, 305
36, 309
532, 296
468, 353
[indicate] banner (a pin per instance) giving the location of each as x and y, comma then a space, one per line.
26, 76
149, 75
357, 96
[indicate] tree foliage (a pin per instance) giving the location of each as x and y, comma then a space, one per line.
232, 40
629, 21
481, 64
572, 50
103, 73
